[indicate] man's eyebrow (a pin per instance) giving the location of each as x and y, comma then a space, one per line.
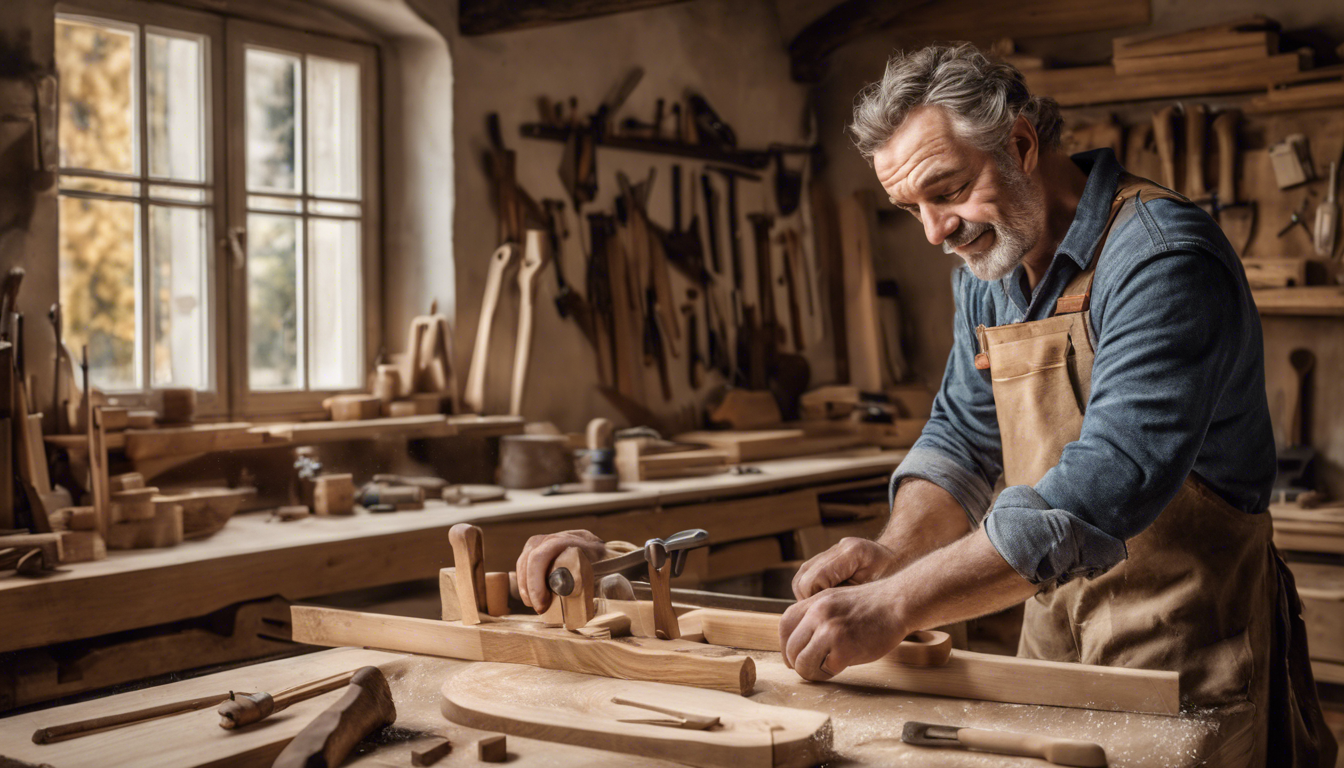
933, 179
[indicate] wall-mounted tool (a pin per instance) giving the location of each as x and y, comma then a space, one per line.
788, 186
710, 129
711, 220
694, 360
1291, 161
684, 249
1237, 218
1327, 215
535, 257
734, 236
1083, 754
1296, 220
1164, 133
1196, 115
567, 301
503, 259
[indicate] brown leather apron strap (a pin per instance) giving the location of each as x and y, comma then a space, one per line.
1077, 296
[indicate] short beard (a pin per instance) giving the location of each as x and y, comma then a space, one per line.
1013, 237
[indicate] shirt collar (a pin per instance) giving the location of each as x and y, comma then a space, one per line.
1094, 207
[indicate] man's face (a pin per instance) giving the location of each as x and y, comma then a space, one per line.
977, 204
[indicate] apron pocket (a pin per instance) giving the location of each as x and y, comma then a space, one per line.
1036, 402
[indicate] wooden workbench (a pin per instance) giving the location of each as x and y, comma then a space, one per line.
867, 722
252, 560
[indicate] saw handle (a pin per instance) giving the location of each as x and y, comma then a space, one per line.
1083, 754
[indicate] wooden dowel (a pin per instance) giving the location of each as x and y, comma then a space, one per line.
79, 728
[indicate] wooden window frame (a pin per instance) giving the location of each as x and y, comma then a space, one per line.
240, 35
224, 120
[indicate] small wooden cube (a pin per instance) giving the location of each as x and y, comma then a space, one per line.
334, 495
82, 519
353, 407
127, 482
116, 419
492, 749
179, 405
82, 546
141, 419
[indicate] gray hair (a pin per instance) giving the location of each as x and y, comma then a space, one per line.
984, 98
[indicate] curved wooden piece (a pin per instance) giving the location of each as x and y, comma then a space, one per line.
575, 709
534, 258
474, 395
469, 561
760, 632
365, 707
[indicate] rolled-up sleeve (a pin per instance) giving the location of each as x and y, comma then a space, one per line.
1169, 326
959, 449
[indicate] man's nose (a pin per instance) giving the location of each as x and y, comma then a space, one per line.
938, 225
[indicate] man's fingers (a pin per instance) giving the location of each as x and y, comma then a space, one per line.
521, 569
815, 662
834, 570
799, 638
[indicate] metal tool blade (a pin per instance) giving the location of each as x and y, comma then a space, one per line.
930, 735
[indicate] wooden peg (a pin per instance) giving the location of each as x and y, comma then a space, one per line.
665, 623
497, 593
493, 749
469, 559
577, 607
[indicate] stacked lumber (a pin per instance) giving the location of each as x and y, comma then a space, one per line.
1235, 56
1321, 88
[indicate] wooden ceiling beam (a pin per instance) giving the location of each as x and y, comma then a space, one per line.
482, 17
844, 23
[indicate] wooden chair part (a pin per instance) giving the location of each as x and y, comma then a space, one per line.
474, 395
469, 559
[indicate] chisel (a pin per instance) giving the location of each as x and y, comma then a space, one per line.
1083, 754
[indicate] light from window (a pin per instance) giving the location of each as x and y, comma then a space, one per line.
134, 218
304, 200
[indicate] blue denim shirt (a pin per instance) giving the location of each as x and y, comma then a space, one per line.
1177, 386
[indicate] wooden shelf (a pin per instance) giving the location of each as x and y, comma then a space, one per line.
746, 158
1307, 301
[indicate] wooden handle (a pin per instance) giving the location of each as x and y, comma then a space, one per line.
474, 395
365, 707
1225, 129
469, 561
65, 731
1166, 144
666, 624
760, 632
1083, 754
576, 608
1195, 116
600, 434
534, 258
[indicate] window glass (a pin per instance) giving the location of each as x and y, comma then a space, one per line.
96, 64
333, 134
337, 321
173, 107
177, 297
273, 301
98, 243
273, 118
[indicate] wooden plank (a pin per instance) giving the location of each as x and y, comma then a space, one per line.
683, 662
1079, 86
330, 431
858, 219
1311, 301
743, 557
1328, 671
762, 444
1254, 30
970, 675
198, 438
1198, 61
481, 17
594, 712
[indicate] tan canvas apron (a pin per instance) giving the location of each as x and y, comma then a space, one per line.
1202, 591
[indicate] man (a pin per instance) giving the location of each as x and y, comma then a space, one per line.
1107, 363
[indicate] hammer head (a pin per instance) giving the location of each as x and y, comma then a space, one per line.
928, 735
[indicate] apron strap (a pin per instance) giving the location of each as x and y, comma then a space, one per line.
1077, 296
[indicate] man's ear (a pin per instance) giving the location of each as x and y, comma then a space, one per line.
1023, 145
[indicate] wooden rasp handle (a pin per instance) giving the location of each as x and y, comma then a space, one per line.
1165, 137
1225, 129
365, 707
1083, 754
1195, 116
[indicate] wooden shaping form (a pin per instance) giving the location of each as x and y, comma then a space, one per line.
966, 674
534, 258
365, 707
469, 560
474, 395
682, 662
579, 710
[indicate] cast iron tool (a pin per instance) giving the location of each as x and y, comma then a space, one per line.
1083, 754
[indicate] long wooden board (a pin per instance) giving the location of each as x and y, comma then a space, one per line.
685, 663
970, 675
580, 710
1078, 86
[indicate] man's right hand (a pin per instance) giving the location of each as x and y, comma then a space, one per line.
852, 560
539, 553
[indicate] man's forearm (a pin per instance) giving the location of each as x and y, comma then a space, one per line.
924, 518
962, 581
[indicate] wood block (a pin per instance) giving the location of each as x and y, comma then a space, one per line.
764, 444
353, 407
468, 545
127, 482
334, 495
497, 593
1191, 61
424, 757
492, 749
116, 419
420, 404
141, 419
179, 405
59, 520
1276, 273
1251, 31
82, 546
83, 519
449, 608
49, 543
165, 530
744, 557
134, 504
747, 409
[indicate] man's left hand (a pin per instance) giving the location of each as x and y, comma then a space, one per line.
840, 627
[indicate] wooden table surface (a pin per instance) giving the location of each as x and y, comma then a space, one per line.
252, 558
867, 722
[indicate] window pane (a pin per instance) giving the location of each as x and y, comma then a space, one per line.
179, 336
332, 208
97, 125
98, 243
336, 325
272, 121
278, 204
273, 301
333, 128
173, 105
185, 194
